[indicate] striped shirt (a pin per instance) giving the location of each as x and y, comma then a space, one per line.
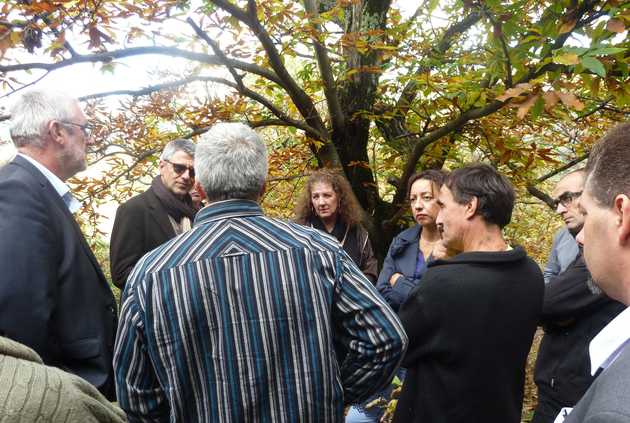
246, 318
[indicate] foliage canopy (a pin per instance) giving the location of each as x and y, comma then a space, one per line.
526, 85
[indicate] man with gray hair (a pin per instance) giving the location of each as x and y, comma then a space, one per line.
241, 318
54, 297
148, 220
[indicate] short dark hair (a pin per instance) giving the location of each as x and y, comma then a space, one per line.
608, 169
436, 176
495, 194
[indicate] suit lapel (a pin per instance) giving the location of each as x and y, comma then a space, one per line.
54, 196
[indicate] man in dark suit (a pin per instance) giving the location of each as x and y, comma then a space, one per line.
605, 203
53, 295
150, 219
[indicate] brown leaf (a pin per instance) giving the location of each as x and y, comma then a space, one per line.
570, 100
517, 90
615, 25
524, 107
551, 99
567, 26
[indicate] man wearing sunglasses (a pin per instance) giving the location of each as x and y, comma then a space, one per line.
572, 314
160, 213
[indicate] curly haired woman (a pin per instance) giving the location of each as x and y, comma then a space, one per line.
328, 204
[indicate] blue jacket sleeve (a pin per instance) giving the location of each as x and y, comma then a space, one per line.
397, 294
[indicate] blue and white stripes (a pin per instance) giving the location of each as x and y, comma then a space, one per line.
238, 320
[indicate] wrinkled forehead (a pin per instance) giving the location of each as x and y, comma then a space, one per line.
570, 183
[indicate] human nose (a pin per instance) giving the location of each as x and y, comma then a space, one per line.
560, 208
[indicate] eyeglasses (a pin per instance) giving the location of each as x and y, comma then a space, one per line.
179, 168
566, 198
88, 129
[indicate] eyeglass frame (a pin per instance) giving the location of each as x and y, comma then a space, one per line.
190, 169
566, 198
86, 128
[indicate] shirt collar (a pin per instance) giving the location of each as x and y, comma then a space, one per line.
59, 186
227, 209
606, 346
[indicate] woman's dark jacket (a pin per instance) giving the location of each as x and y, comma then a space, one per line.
356, 242
401, 258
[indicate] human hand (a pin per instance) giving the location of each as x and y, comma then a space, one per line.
394, 278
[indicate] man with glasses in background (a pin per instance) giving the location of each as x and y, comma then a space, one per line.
572, 314
164, 210
54, 297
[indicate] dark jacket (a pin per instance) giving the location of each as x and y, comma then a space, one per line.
53, 296
572, 316
470, 325
401, 258
355, 241
141, 225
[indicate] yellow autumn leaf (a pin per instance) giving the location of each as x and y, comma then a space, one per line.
567, 59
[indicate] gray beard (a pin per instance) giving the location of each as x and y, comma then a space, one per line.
592, 286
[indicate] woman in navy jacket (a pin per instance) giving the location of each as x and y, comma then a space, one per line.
410, 251
405, 263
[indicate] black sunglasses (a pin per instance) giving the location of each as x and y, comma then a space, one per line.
88, 129
566, 198
181, 168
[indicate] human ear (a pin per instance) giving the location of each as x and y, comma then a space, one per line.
621, 209
471, 208
56, 133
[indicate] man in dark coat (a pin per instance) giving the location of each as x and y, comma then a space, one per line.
472, 320
605, 204
53, 296
150, 219
572, 314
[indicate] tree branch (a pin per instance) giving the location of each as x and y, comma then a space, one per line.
499, 34
545, 198
325, 69
107, 57
561, 169
218, 52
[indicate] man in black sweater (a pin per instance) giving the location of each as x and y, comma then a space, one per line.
471, 320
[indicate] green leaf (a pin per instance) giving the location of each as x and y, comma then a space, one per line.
605, 51
432, 5
593, 65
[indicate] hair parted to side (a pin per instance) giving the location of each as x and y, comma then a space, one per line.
231, 162
33, 110
495, 194
436, 176
349, 209
608, 169
176, 145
